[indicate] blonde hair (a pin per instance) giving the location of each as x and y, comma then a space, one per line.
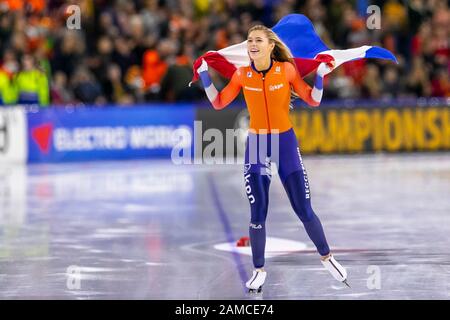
280, 51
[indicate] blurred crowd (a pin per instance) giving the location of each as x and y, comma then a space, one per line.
129, 52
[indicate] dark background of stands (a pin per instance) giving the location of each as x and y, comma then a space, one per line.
136, 52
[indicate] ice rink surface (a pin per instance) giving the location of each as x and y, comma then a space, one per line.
153, 230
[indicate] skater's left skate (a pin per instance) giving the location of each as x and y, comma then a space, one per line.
254, 285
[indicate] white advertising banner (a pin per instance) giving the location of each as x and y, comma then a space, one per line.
13, 135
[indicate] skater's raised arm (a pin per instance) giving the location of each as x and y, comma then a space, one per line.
312, 96
221, 99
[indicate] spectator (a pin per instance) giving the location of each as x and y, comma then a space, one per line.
372, 86
114, 88
122, 54
340, 85
68, 53
99, 62
440, 38
135, 82
174, 85
8, 94
143, 38
7, 91
417, 81
32, 83
86, 89
417, 14
394, 14
441, 84
59, 92
391, 83
153, 70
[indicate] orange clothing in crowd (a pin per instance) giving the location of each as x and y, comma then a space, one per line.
153, 68
14, 5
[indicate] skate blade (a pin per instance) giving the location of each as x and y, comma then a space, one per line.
346, 283
259, 290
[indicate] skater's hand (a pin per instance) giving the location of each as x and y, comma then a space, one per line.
325, 68
203, 66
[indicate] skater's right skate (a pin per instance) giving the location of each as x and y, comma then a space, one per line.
256, 282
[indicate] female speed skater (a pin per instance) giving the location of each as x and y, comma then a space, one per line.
267, 85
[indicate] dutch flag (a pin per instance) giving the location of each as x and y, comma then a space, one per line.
298, 34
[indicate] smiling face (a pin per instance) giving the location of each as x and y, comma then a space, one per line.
258, 45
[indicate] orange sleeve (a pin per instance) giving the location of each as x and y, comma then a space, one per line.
229, 93
299, 85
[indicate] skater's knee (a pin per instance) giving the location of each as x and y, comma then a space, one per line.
305, 214
259, 211
257, 225
303, 210
256, 188
260, 204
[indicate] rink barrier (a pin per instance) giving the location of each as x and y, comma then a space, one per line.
357, 128
390, 129
61, 134
13, 130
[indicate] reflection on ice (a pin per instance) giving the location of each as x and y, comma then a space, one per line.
147, 229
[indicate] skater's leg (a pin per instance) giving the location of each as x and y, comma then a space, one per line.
257, 181
295, 181
297, 188
257, 189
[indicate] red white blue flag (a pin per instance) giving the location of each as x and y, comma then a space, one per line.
298, 34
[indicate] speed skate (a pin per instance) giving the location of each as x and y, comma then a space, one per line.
256, 282
336, 269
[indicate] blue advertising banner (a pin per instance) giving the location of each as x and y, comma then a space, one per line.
83, 134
